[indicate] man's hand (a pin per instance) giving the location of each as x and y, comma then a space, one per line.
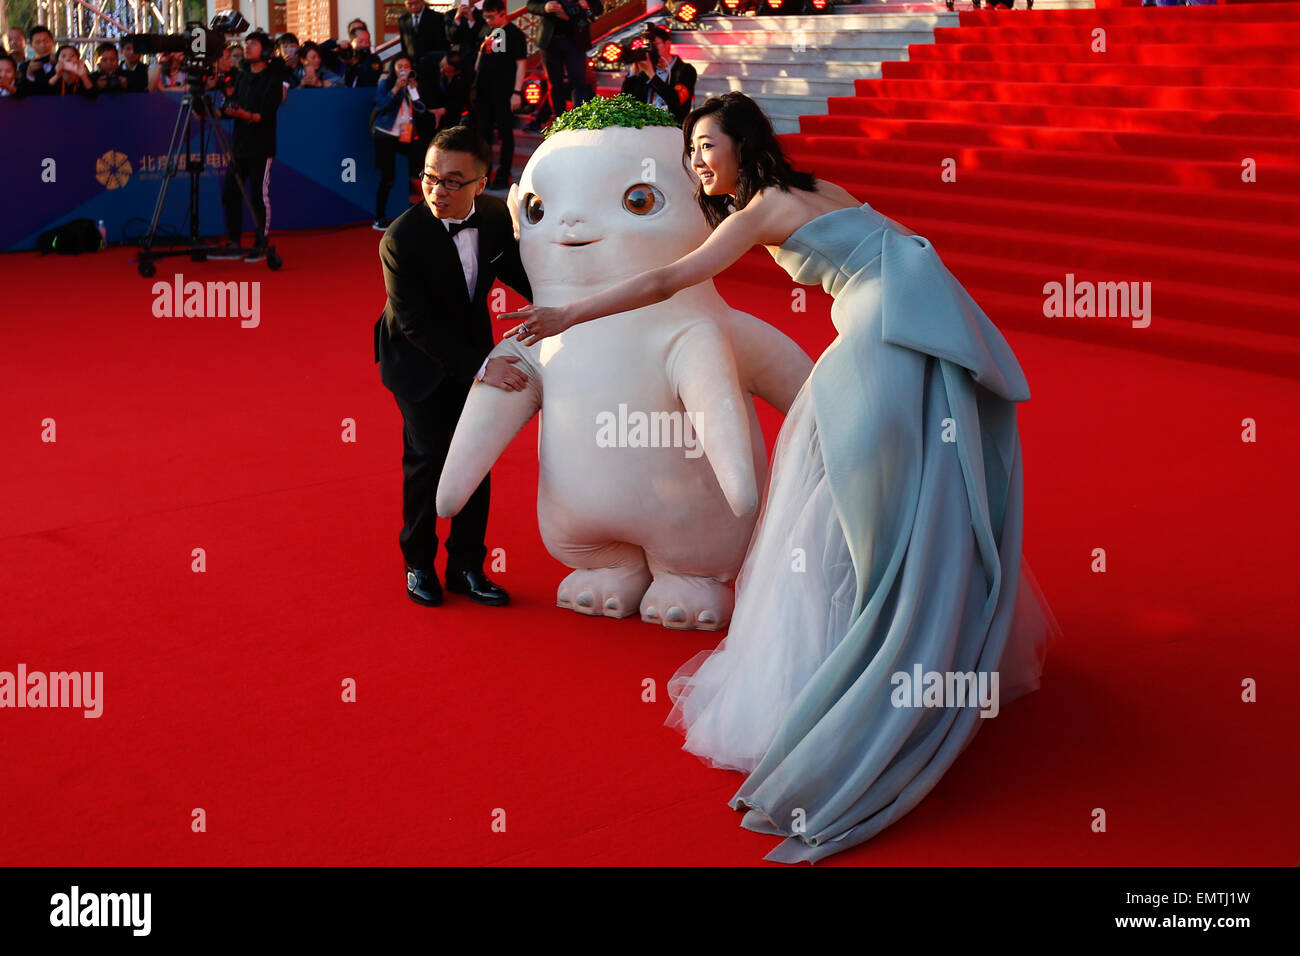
644, 66
516, 102
555, 8
438, 113
502, 373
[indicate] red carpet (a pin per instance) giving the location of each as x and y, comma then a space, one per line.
222, 689
1115, 164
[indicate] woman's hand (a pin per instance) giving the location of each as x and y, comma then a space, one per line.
539, 322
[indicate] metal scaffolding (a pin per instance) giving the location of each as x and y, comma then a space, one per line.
86, 22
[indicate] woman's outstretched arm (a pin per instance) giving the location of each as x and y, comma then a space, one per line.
733, 237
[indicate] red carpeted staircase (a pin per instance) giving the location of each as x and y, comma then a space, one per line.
1122, 165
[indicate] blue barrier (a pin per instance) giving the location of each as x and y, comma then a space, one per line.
64, 158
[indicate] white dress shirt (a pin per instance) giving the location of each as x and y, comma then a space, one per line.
467, 246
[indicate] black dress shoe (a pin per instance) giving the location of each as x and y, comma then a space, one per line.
478, 587
422, 587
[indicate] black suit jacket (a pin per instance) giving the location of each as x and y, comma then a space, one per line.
582, 36
432, 34
433, 327
678, 92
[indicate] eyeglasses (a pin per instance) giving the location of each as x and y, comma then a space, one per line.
451, 185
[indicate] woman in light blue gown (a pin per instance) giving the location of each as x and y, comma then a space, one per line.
886, 563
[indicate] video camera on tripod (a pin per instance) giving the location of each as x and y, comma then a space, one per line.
187, 151
201, 46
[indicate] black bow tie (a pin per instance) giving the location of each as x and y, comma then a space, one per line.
470, 223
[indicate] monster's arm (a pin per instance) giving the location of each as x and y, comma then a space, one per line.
701, 368
490, 420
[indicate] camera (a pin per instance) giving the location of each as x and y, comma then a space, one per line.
201, 46
577, 15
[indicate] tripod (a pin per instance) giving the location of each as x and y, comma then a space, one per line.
196, 102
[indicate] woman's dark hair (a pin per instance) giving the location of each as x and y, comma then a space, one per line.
392, 69
761, 161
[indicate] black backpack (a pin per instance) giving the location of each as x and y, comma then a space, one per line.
79, 235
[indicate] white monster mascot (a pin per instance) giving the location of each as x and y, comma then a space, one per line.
651, 458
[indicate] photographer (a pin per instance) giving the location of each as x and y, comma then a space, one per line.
35, 78
70, 76
310, 74
107, 77
136, 73
564, 38
498, 84
363, 67
449, 92
466, 29
168, 73
662, 79
287, 47
252, 105
394, 130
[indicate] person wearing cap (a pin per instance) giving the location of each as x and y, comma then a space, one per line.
664, 80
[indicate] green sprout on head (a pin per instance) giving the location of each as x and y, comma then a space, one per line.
604, 111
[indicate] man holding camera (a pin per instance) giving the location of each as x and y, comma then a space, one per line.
662, 79
363, 66
564, 39
252, 105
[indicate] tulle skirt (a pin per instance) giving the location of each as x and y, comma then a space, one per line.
730, 701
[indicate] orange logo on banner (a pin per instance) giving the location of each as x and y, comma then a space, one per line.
113, 169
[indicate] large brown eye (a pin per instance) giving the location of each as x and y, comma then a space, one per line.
643, 200
533, 208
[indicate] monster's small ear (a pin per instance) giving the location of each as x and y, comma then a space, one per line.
512, 203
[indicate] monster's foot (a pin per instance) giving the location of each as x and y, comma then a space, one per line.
611, 592
684, 602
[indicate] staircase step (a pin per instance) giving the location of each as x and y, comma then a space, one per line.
1243, 99
1173, 146
1209, 16
1274, 245
804, 60
1097, 73
1079, 166
1159, 54
1264, 211
819, 86
1021, 31
1207, 122
836, 39
781, 68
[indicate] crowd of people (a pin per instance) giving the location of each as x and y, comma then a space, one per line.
462, 67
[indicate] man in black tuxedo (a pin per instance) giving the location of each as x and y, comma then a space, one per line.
440, 258
424, 37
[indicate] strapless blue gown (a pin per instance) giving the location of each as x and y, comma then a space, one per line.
890, 537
